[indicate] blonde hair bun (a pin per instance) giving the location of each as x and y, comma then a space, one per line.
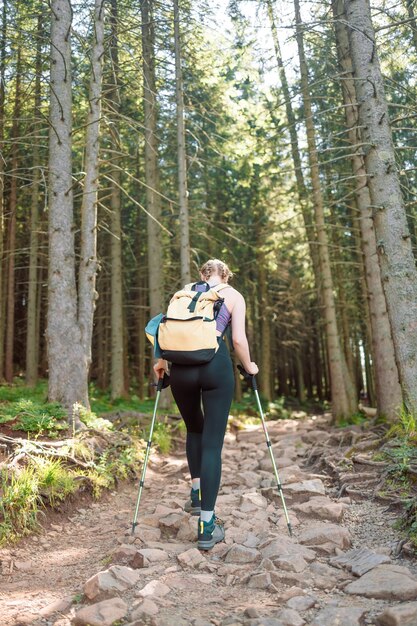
215, 266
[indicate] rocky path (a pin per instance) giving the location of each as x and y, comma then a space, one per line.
337, 570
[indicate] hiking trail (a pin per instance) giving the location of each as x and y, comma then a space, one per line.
345, 565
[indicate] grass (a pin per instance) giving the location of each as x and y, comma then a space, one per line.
400, 455
39, 481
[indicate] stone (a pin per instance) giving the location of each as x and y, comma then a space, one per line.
61, 605
360, 560
147, 534
286, 547
251, 612
399, 615
301, 603
188, 529
147, 608
191, 558
304, 490
23, 566
264, 621
287, 578
170, 524
385, 582
321, 507
294, 563
252, 540
290, 617
329, 535
339, 616
154, 588
241, 554
103, 613
109, 582
252, 501
250, 478
153, 555
260, 581
128, 555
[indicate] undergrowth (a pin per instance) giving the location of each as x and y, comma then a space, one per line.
91, 461
400, 454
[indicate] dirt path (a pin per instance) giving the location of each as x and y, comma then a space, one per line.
259, 576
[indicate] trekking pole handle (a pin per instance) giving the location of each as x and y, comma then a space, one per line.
247, 376
160, 383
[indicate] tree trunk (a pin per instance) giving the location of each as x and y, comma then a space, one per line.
342, 390
11, 247
295, 150
67, 360
182, 163
413, 22
398, 270
88, 253
265, 338
32, 326
118, 386
153, 198
2, 103
388, 390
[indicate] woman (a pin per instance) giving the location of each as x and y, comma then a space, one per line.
204, 395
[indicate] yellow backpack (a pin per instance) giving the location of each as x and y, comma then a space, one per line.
187, 333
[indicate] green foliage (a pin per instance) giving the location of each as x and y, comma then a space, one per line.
35, 417
91, 420
356, 419
400, 455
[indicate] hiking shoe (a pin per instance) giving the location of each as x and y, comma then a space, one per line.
210, 533
193, 505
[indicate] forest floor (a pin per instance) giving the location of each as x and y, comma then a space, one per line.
345, 565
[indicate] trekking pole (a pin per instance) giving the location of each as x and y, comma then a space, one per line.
148, 449
252, 379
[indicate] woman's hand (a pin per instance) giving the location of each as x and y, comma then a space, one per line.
253, 369
160, 368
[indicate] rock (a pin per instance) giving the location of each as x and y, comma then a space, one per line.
385, 582
241, 554
250, 478
188, 529
171, 524
60, 606
252, 502
201, 622
260, 581
287, 578
103, 613
400, 615
301, 603
290, 617
154, 555
304, 490
109, 582
294, 563
264, 621
328, 536
286, 547
154, 588
339, 616
191, 558
252, 540
251, 612
321, 507
147, 534
360, 560
128, 555
23, 566
147, 608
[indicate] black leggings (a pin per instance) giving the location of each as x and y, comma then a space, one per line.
204, 395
